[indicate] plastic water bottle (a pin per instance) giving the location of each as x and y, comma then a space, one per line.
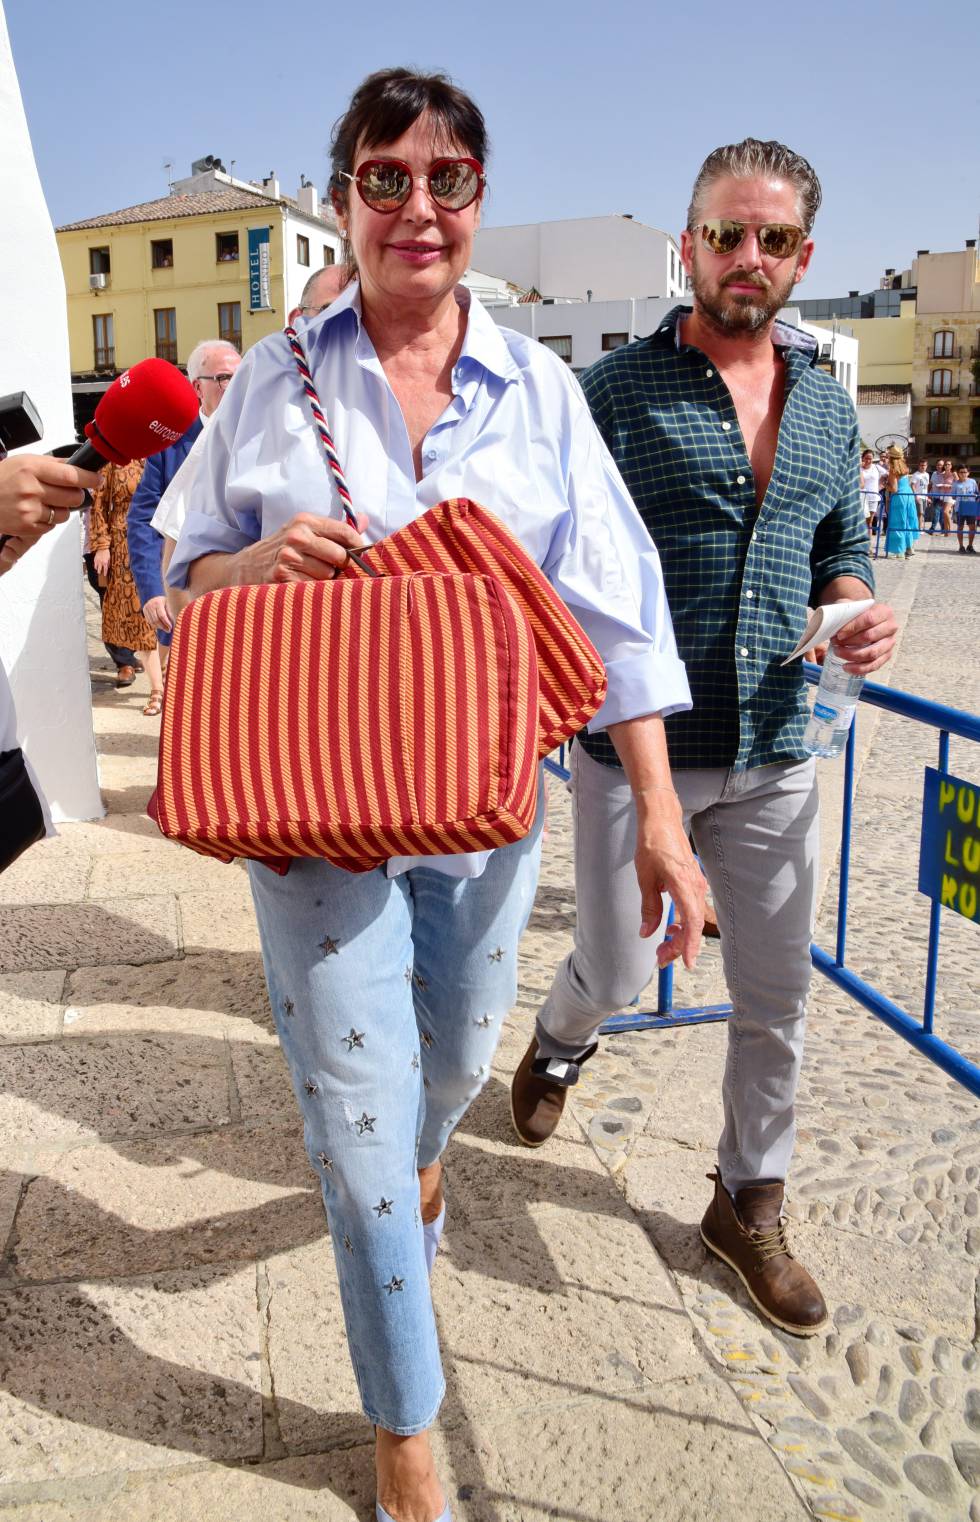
833, 709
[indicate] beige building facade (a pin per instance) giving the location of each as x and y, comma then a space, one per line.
945, 394
217, 258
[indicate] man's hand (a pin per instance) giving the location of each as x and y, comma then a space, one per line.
37, 492
665, 864
866, 643
100, 562
157, 614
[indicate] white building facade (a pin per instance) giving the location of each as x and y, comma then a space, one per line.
602, 258
580, 332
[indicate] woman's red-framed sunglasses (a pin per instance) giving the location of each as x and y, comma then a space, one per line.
386, 184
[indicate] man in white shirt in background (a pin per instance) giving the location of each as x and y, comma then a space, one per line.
870, 490
920, 486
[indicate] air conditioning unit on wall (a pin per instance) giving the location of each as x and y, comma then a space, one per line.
98, 282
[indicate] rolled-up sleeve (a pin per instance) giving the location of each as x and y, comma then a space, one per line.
219, 519
605, 566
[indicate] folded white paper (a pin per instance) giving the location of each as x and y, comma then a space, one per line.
825, 622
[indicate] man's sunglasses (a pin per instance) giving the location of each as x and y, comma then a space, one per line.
386, 184
777, 240
221, 379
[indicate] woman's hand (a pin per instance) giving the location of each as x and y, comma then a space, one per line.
100, 562
309, 548
665, 864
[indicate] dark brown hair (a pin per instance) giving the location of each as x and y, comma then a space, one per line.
385, 105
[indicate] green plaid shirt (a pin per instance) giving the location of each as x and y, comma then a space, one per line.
738, 578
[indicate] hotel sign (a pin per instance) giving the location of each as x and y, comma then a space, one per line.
259, 270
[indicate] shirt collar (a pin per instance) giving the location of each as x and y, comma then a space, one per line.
483, 342
784, 336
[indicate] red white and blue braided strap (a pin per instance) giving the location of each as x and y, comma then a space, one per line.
329, 449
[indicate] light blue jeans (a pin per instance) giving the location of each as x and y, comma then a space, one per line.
757, 835
388, 995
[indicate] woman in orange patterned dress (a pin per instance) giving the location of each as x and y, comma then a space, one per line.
122, 617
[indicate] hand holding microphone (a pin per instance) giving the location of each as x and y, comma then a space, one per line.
146, 409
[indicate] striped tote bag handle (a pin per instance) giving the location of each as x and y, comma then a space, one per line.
316, 407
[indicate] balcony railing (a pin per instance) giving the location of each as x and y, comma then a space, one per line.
938, 391
167, 350
105, 359
953, 354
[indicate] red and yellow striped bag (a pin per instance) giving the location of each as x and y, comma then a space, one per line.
400, 709
354, 719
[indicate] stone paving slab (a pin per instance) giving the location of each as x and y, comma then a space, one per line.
67, 1092
337, 1486
222, 924
129, 1376
35, 938
30, 1005
160, 867
46, 874
633, 1458
214, 1197
221, 994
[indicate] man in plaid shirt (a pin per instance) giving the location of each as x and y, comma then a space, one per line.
742, 458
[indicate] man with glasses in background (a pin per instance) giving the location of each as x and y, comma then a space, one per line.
742, 458
319, 291
210, 366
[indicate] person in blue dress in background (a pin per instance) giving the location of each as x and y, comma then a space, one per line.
903, 513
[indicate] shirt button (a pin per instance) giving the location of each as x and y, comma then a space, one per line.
740, 480
744, 650
727, 427
430, 454
750, 593
709, 373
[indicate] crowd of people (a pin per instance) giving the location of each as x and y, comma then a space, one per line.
904, 504
654, 499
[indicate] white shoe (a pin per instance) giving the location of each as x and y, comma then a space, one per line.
432, 1234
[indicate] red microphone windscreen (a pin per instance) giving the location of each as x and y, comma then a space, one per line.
146, 409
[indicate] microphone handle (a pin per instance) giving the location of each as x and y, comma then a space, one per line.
87, 457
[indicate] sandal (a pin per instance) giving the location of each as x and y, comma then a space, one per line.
154, 705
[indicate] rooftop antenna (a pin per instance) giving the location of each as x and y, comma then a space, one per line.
168, 165
231, 171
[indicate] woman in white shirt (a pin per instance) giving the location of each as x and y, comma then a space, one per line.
389, 987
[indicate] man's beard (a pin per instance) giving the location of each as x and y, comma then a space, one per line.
737, 313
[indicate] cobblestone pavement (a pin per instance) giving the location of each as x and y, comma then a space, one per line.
170, 1338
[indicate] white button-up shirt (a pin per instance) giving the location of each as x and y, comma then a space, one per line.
516, 437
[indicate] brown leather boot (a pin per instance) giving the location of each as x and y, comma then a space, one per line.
750, 1236
538, 1092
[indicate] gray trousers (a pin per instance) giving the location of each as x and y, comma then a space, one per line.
756, 833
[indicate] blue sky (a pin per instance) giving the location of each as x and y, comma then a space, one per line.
609, 107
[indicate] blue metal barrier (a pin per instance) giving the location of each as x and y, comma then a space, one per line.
919, 1033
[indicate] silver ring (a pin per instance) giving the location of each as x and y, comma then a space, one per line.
50, 516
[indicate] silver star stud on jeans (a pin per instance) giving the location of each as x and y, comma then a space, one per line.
383, 1207
394, 1284
329, 946
353, 1038
366, 1123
